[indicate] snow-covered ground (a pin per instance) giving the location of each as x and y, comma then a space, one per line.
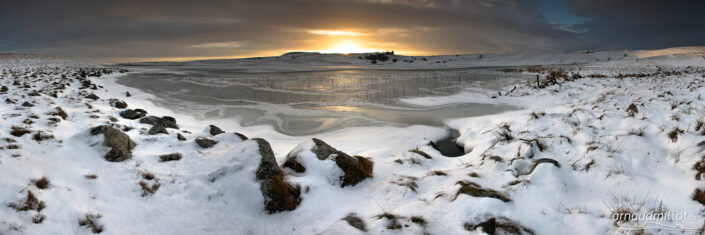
626, 136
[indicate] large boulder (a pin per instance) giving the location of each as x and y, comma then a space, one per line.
278, 194
120, 144
355, 168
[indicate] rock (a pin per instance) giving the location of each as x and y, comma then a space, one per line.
10, 101
151, 120
133, 114
4, 89
170, 157
323, 150
499, 225
169, 122
242, 137
118, 103
158, 129
205, 142
355, 169
180, 137
121, 145
27, 104
355, 221
127, 94
278, 194
34, 93
632, 109
92, 96
214, 130
166, 121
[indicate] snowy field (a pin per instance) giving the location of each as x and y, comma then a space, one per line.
618, 133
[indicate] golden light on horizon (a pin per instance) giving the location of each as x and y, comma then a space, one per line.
347, 47
335, 32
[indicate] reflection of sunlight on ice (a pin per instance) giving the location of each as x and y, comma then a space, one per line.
340, 108
309, 102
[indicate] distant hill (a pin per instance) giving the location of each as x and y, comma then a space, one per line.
306, 60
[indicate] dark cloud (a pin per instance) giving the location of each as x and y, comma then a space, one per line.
642, 24
178, 28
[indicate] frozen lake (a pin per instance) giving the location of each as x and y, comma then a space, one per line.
318, 100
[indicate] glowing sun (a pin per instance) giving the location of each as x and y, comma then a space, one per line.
348, 47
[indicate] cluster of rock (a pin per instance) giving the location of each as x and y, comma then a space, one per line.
355, 168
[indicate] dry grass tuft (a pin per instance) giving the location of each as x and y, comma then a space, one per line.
59, 112
393, 220
419, 152
437, 172
504, 135
91, 222
637, 131
40, 136
29, 203
42, 183
19, 131
475, 190
673, 135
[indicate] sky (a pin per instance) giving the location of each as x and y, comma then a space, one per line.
143, 30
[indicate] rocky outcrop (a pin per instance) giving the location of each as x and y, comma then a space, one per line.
278, 194
133, 114
120, 144
355, 168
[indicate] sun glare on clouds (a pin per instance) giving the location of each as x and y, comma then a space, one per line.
335, 32
348, 47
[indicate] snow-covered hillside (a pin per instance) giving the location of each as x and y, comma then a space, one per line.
80, 154
310, 61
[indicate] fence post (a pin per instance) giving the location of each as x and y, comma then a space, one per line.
537, 81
